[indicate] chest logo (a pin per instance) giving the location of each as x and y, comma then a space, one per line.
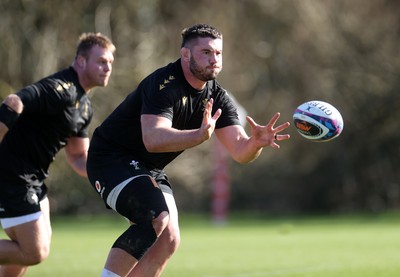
205, 101
85, 109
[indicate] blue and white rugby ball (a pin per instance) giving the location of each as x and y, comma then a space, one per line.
318, 121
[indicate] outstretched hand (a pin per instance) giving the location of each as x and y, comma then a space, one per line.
268, 135
209, 121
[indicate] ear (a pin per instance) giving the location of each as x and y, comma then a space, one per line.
81, 61
185, 53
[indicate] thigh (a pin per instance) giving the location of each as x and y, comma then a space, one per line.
173, 211
140, 200
32, 235
108, 171
45, 208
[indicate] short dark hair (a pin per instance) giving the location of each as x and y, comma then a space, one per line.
199, 30
87, 40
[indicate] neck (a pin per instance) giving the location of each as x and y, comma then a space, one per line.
191, 79
81, 78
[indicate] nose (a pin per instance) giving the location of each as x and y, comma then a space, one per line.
213, 59
108, 67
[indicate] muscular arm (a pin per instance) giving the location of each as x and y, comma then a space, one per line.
245, 149
76, 152
159, 136
238, 143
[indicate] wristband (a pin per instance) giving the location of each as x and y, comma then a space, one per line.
8, 116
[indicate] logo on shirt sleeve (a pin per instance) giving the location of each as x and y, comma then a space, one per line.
166, 81
64, 86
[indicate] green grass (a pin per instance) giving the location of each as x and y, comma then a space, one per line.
365, 246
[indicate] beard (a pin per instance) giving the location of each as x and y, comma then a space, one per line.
202, 73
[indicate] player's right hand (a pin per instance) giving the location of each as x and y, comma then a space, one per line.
209, 121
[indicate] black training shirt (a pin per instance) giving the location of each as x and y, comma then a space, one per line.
165, 92
55, 108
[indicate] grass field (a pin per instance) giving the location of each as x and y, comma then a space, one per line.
365, 246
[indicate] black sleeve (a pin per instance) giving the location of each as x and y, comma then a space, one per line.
47, 96
229, 114
157, 100
84, 131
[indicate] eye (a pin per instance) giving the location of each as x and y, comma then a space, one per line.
103, 61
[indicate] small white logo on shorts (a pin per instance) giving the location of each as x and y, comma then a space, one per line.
135, 164
32, 197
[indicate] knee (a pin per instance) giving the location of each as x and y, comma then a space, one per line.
170, 240
174, 239
160, 222
37, 256
168, 234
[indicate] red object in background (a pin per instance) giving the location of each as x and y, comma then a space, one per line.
220, 184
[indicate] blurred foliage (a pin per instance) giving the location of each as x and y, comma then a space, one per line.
277, 55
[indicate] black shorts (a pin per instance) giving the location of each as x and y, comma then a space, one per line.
127, 186
18, 199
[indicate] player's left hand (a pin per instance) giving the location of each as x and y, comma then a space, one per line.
268, 135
